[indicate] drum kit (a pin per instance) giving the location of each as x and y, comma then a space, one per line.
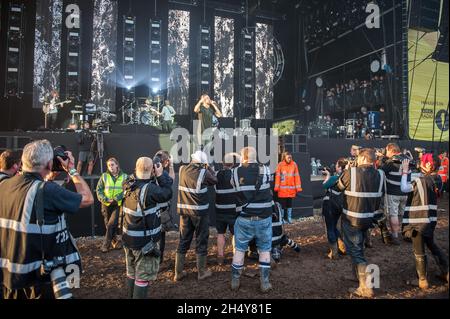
99, 116
145, 110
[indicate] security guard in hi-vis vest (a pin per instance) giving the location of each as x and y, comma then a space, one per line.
110, 194
193, 207
36, 247
363, 188
420, 219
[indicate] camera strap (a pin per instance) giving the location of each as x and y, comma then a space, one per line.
141, 207
259, 181
39, 205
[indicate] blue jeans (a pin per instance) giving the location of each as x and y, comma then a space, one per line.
354, 242
245, 230
331, 217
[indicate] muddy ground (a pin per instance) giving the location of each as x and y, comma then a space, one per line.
306, 275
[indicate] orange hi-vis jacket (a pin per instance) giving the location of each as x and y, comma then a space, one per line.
443, 169
287, 180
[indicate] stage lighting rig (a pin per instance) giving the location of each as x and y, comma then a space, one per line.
155, 53
129, 54
15, 50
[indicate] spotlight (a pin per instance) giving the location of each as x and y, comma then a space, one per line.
155, 90
319, 82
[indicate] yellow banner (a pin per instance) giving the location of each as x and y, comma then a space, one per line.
428, 89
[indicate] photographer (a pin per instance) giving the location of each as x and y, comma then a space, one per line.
395, 198
167, 224
252, 182
142, 224
420, 217
110, 194
227, 208
9, 164
363, 190
193, 207
86, 148
39, 245
332, 209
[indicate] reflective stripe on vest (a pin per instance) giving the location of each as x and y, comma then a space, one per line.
260, 205
420, 220
30, 267
419, 208
354, 193
359, 215
225, 191
193, 207
140, 233
229, 206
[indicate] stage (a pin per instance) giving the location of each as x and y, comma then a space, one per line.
127, 147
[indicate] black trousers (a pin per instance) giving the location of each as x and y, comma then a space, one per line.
111, 215
419, 242
51, 120
190, 225
162, 245
285, 202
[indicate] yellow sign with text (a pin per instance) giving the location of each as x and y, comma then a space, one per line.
428, 89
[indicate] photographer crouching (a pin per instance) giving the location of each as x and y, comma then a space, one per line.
142, 224
35, 244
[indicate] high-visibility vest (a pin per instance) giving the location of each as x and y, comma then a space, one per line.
362, 198
137, 232
443, 169
113, 188
421, 206
192, 192
252, 182
287, 180
23, 239
226, 195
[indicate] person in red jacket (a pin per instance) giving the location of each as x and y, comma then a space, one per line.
287, 184
443, 169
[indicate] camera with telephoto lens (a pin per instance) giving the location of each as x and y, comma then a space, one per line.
151, 249
59, 151
61, 288
398, 159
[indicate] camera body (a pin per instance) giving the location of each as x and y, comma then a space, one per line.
351, 162
151, 249
59, 151
157, 160
48, 266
